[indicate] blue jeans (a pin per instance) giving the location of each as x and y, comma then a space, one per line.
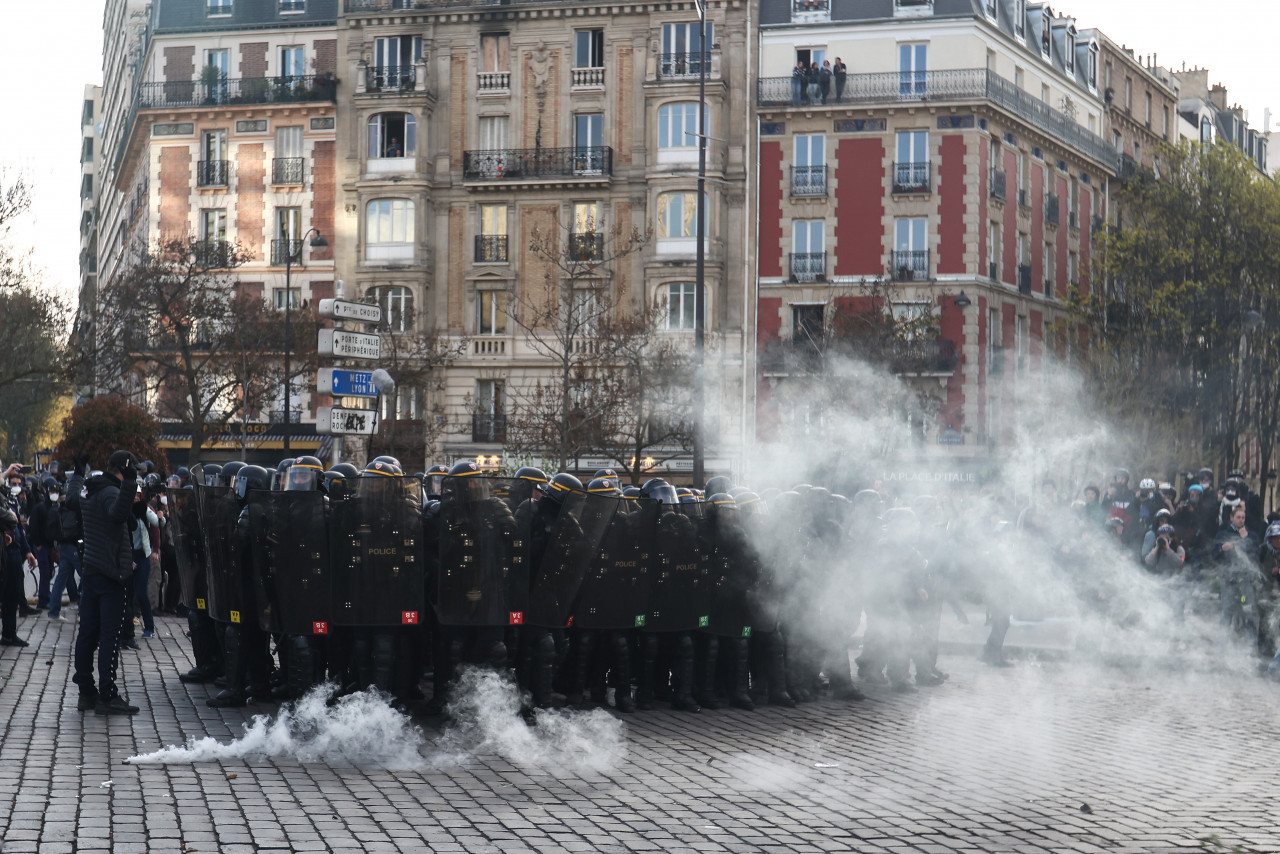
68, 566
102, 608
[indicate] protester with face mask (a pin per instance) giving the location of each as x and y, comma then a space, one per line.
17, 549
42, 544
1235, 551
66, 531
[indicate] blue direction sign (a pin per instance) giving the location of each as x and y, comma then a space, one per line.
345, 383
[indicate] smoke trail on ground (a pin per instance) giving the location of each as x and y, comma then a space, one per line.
365, 731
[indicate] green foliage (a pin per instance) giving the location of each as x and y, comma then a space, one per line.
102, 425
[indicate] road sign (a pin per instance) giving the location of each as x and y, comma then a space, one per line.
349, 345
340, 309
345, 383
346, 422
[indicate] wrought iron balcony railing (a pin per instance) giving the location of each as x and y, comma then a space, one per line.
524, 164
283, 250
924, 356
586, 247
491, 248
972, 84
212, 173
390, 78
287, 170
683, 66
1052, 212
809, 180
211, 253
243, 90
488, 428
808, 266
280, 416
998, 184
910, 266
1024, 279
911, 177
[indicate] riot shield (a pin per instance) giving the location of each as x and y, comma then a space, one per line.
614, 593
291, 562
218, 512
482, 579
764, 597
678, 589
184, 524
375, 551
732, 576
572, 544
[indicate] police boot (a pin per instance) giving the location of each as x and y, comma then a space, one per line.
648, 672
234, 695
544, 671
682, 676
620, 674
579, 667
256, 648
383, 657
443, 657
204, 671
706, 652
776, 673
300, 666
408, 666
841, 678
740, 674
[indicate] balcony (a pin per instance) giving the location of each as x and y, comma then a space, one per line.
587, 78
1052, 210
810, 10
491, 249
998, 184
808, 267
808, 180
280, 416
586, 247
211, 254
488, 428
537, 164
287, 170
1128, 168
790, 357
910, 265
1024, 279
390, 78
244, 90
683, 66
282, 250
924, 356
973, 84
212, 173
911, 177
493, 82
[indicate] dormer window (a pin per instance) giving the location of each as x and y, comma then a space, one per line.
1091, 73
991, 9
1070, 50
1020, 18
1046, 34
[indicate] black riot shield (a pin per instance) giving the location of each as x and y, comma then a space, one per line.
291, 562
678, 589
184, 525
732, 576
614, 593
375, 551
572, 544
482, 579
764, 597
218, 511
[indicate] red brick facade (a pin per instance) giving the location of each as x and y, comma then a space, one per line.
323, 196
175, 192
250, 209
951, 206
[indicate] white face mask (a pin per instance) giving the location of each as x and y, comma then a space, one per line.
14, 490
53, 496
164, 499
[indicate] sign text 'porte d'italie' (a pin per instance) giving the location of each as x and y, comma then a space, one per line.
342, 344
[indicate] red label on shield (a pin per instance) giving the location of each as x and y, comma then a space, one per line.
517, 618
569, 624
409, 618
320, 628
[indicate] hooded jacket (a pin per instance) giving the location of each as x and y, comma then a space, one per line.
105, 511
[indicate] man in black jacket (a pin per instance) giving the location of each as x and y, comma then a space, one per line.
108, 575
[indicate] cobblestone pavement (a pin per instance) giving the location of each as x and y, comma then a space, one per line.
1048, 756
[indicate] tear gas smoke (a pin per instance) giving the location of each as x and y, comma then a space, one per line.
363, 730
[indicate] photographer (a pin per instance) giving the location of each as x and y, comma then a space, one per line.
1162, 553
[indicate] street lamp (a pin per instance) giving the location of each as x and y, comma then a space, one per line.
291, 254
700, 231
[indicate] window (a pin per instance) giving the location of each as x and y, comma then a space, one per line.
676, 212
493, 220
678, 125
293, 65
1166, 123
393, 61
1091, 73
495, 52
213, 224
991, 9
293, 6
491, 312
911, 251
911, 172
217, 8
396, 302
584, 311
807, 323
809, 174
682, 49
286, 244
490, 397
1149, 114
810, 55
588, 49
402, 403
913, 146
277, 298
86, 150
1118, 141
1022, 342
493, 132
1049, 268
913, 61
808, 250
1072, 271
288, 165
1020, 18
491, 242
679, 299
994, 250
389, 230
586, 240
1024, 179
586, 217
1070, 50
392, 135
1128, 94
588, 140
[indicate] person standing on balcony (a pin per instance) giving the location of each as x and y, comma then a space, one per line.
841, 73
825, 80
815, 84
799, 76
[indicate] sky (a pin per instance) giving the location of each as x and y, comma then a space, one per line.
1232, 38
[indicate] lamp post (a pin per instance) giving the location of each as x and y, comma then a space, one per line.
700, 231
290, 253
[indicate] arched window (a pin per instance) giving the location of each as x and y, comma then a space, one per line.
392, 135
677, 214
396, 302
678, 125
388, 230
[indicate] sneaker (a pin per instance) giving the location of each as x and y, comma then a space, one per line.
57, 618
131, 644
14, 641
87, 702
148, 634
115, 706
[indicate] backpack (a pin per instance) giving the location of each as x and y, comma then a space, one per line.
64, 525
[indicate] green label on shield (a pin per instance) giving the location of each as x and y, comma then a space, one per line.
746, 631
703, 622
639, 620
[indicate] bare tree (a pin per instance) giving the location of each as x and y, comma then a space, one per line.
178, 330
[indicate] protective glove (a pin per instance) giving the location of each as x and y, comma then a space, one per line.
130, 471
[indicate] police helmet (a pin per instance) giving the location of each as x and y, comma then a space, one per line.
385, 469
1163, 512
560, 487
184, 475
631, 492
345, 469
212, 474
250, 478
538, 476
721, 507
434, 479
1119, 475
751, 504
153, 484
464, 481
687, 497
1205, 474
174, 481
603, 486
229, 472
602, 473
717, 485
868, 501
304, 475
901, 523
386, 458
